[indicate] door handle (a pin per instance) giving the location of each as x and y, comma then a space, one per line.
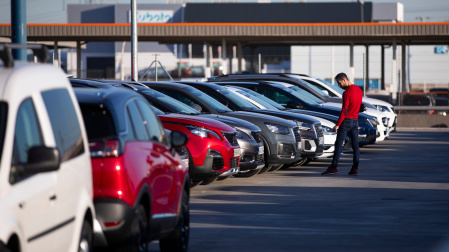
53, 197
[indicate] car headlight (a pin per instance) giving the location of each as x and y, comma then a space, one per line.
303, 125
240, 134
202, 132
278, 129
328, 130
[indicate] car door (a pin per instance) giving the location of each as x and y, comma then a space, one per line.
32, 196
165, 180
73, 173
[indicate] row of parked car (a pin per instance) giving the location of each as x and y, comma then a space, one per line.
119, 157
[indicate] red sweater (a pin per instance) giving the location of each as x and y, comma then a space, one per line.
352, 99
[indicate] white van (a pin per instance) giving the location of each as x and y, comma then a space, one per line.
45, 170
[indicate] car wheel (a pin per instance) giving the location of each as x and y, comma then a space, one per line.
137, 241
246, 174
275, 168
303, 162
85, 244
265, 169
179, 240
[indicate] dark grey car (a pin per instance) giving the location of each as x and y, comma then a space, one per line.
281, 138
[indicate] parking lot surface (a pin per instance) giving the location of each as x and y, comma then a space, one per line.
399, 202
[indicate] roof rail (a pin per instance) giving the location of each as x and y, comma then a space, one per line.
39, 50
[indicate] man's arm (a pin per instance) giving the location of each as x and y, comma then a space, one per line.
344, 108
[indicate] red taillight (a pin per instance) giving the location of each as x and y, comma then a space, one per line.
108, 148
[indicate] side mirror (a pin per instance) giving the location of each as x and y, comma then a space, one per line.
42, 159
293, 105
178, 139
197, 107
325, 91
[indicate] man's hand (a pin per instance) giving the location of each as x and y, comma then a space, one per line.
335, 128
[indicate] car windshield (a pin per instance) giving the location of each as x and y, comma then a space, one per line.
263, 103
220, 108
3, 117
309, 85
262, 97
334, 87
296, 94
306, 94
242, 103
170, 102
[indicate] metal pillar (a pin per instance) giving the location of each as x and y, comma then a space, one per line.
239, 57
134, 73
56, 54
351, 63
207, 71
382, 67
394, 68
405, 87
366, 69
224, 65
78, 59
19, 28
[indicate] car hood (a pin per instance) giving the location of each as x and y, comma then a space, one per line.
287, 115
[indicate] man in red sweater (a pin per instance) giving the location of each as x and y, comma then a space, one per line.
347, 123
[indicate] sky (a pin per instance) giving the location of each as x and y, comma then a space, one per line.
54, 11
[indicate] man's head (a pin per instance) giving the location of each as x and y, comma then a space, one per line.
342, 80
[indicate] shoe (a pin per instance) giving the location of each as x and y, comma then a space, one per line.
330, 171
353, 172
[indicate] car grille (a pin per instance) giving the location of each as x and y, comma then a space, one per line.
231, 137
257, 136
259, 158
287, 150
234, 162
217, 163
318, 129
297, 134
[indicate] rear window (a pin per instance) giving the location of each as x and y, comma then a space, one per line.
64, 122
98, 122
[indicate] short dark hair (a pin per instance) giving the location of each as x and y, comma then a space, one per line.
340, 77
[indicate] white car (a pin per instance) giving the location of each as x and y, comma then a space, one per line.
45, 169
335, 91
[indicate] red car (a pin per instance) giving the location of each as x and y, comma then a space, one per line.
141, 187
214, 152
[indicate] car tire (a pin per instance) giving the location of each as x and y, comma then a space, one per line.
178, 240
137, 241
246, 174
194, 183
85, 243
208, 181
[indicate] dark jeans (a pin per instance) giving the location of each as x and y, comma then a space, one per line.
350, 127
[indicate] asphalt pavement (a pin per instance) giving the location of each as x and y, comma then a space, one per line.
398, 202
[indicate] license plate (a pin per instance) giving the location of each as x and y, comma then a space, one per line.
320, 140
260, 150
236, 152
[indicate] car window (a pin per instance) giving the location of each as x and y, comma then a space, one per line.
3, 118
207, 99
174, 104
27, 134
152, 122
241, 103
274, 95
64, 122
98, 121
137, 122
